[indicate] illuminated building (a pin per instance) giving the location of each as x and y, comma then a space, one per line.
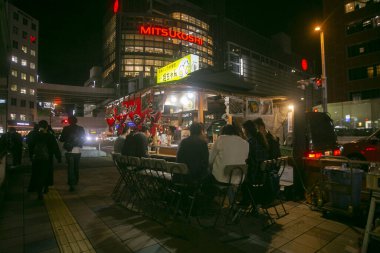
352, 44
22, 78
142, 36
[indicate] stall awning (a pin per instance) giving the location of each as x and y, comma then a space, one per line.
223, 81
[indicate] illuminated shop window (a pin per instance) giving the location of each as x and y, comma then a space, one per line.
14, 59
13, 87
12, 116
24, 62
32, 65
370, 72
32, 52
23, 91
23, 76
14, 72
32, 92
138, 68
22, 117
31, 79
24, 49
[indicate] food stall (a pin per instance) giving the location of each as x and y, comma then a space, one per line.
183, 95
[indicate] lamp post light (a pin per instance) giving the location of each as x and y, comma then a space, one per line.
323, 77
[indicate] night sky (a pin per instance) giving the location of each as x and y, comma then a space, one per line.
70, 36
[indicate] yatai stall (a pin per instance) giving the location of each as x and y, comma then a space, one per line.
183, 95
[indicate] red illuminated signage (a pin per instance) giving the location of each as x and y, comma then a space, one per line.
167, 32
32, 39
304, 64
116, 6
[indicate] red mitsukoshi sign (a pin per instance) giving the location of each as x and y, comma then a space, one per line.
167, 32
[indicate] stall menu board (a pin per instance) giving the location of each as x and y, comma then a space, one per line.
179, 69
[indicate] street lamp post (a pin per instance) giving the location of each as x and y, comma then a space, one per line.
323, 77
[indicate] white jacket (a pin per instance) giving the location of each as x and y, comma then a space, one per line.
227, 150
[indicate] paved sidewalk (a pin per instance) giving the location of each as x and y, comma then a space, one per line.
95, 223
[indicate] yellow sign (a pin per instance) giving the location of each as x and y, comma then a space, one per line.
179, 69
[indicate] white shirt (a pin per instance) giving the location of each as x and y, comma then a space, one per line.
227, 150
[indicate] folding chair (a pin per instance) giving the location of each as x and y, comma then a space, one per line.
226, 197
116, 190
271, 186
179, 189
131, 193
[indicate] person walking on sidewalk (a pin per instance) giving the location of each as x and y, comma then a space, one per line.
73, 138
43, 146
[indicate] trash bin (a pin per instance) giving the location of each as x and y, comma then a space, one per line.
346, 185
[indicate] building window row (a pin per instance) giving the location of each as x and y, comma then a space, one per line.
13, 116
25, 21
23, 76
362, 25
357, 5
23, 48
22, 103
24, 62
237, 53
22, 90
367, 72
189, 19
364, 48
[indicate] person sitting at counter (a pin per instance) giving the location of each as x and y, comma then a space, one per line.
119, 143
136, 143
228, 149
194, 153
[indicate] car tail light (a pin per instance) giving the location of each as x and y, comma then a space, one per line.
336, 152
313, 155
370, 149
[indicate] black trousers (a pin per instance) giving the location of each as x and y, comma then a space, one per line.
72, 168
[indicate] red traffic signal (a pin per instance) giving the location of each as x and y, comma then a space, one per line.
316, 82
65, 121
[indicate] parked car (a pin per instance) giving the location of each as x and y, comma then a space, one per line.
365, 149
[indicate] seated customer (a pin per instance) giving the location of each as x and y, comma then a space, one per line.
119, 143
228, 149
193, 151
136, 143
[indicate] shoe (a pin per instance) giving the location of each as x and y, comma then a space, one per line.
72, 188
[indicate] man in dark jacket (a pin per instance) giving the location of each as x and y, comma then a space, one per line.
193, 151
136, 143
43, 146
73, 138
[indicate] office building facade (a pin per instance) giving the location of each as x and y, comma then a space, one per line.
142, 36
22, 78
352, 49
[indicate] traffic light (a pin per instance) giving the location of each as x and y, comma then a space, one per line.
316, 82
65, 121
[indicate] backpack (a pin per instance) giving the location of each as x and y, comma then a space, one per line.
41, 151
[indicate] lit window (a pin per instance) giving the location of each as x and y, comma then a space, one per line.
14, 59
24, 49
32, 91
13, 87
14, 72
24, 62
13, 116
23, 76
350, 7
32, 52
23, 91
32, 65
32, 79
22, 117
370, 72
378, 70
